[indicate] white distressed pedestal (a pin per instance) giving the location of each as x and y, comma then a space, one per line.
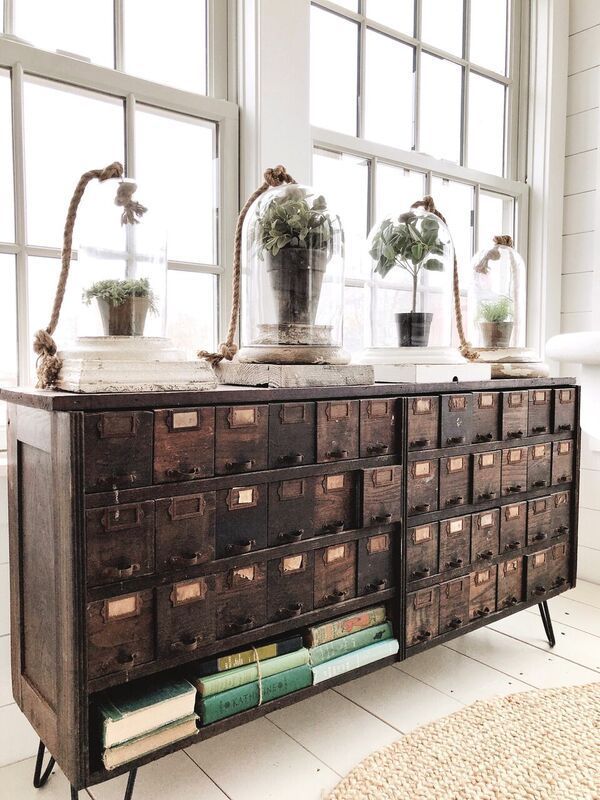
289, 376
423, 365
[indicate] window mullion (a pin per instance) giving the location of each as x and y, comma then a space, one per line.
361, 61
119, 40
130, 165
9, 16
466, 72
417, 79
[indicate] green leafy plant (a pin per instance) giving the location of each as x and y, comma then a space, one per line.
294, 220
500, 310
411, 243
115, 292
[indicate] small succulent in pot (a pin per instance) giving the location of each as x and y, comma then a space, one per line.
123, 304
496, 321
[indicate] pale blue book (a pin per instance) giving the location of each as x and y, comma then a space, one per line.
354, 660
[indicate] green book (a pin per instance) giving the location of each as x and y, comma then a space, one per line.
231, 679
226, 704
136, 748
344, 626
279, 647
354, 660
347, 644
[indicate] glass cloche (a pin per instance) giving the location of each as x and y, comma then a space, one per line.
292, 279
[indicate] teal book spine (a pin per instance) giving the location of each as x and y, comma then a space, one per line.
347, 644
230, 679
354, 660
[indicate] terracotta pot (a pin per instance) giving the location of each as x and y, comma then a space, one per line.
127, 319
496, 334
413, 328
296, 276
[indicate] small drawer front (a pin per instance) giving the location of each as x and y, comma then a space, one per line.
378, 434
186, 617
485, 535
539, 465
454, 604
540, 406
564, 410
335, 502
291, 511
422, 486
539, 574
241, 599
487, 468
562, 462
539, 519
290, 586
185, 531
486, 417
510, 583
241, 520
337, 430
119, 542
514, 470
455, 543
375, 564
292, 437
423, 423
513, 527
514, 415
482, 592
335, 574
455, 481
121, 633
560, 565
422, 615
118, 450
184, 444
456, 419
561, 513
241, 439
382, 495
422, 549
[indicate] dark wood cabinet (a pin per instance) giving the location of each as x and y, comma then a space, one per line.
455, 543
292, 430
185, 531
422, 548
119, 542
337, 430
290, 586
455, 481
291, 511
186, 617
485, 535
513, 527
184, 444
422, 615
382, 496
456, 418
118, 450
540, 407
454, 604
486, 417
241, 439
423, 423
379, 429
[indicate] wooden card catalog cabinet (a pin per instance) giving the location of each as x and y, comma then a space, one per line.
337, 430
514, 470
423, 423
241, 599
539, 515
241, 439
184, 444
422, 546
514, 415
454, 604
560, 569
185, 531
335, 574
241, 520
290, 586
455, 543
540, 405
539, 465
186, 614
564, 410
456, 419
422, 486
482, 596
378, 434
510, 583
486, 417
561, 513
486, 475
539, 574
455, 481
382, 495
513, 526
118, 450
292, 429
291, 510
422, 615
562, 462
485, 535
375, 564
335, 502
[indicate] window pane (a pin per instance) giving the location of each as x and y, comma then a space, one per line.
166, 42
7, 215
67, 132
8, 332
191, 311
333, 71
455, 201
175, 164
496, 217
486, 125
355, 314
344, 180
442, 24
389, 117
352, 5
488, 34
398, 14
441, 100
82, 28
396, 190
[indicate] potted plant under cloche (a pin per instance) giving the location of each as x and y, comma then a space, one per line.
123, 305
496, 321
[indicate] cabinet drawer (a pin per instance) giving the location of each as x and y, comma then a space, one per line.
513, 526
375, 563
456, 419
482, 592
290, 586
335, 574
564, 410
241, 599
185, 531
561, 513
514, 415
562, 462
422, 486
378, 435
455, 542
118, 450
335, 502
510, 583
382, 496
455, 481
241, 520
121, 633
292, 437
119, 542
422, 547
540, 405
186, 617
539, 574
291, 511
241, 439
560, 565
539, 519
422, 615
487, 475
454, 604
485, 535
337, 430
539, 465
184, 444
514, 470
486, 417
423, 423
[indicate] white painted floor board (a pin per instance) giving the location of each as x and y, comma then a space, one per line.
573, 614
16, 784
585, 592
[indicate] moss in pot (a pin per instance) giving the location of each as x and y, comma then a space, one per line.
495, 321
123, 305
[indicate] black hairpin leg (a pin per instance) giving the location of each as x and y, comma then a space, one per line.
128, 790
547, 622
40, 778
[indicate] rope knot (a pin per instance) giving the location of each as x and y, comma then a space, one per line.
114, 170
43, 343
132, 210
276, 176
427, 204
504, 240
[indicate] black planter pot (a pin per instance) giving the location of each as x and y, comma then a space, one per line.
296, 276
413, 328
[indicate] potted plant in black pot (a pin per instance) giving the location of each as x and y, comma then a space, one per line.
123, 304
496, 321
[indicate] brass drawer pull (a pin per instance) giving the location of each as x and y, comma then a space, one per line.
458, 562
242, 466
540, 590
455, 440
376, 586
486, 554
482, 612
423, 636
188, 559
382, 519
513, 545
484, 437
126, 659
334, 527
510, 601
514, 434
454, 623
125, 571
186, 644
420, 442
566, 427
421, 573
291, 536
513, 489
562, 529
487, 496
336, 597
183, 472
109, 480
293, 610
421, 509
454, 501
239, 548
539, 484
539, 537
337, 454
539, 429
243, 625
559, 581
378, 449
564, 479
291, 458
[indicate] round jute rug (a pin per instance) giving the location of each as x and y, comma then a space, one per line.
540, 745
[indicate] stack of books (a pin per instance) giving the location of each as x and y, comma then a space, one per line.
137, 719
349, 642
246, 679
